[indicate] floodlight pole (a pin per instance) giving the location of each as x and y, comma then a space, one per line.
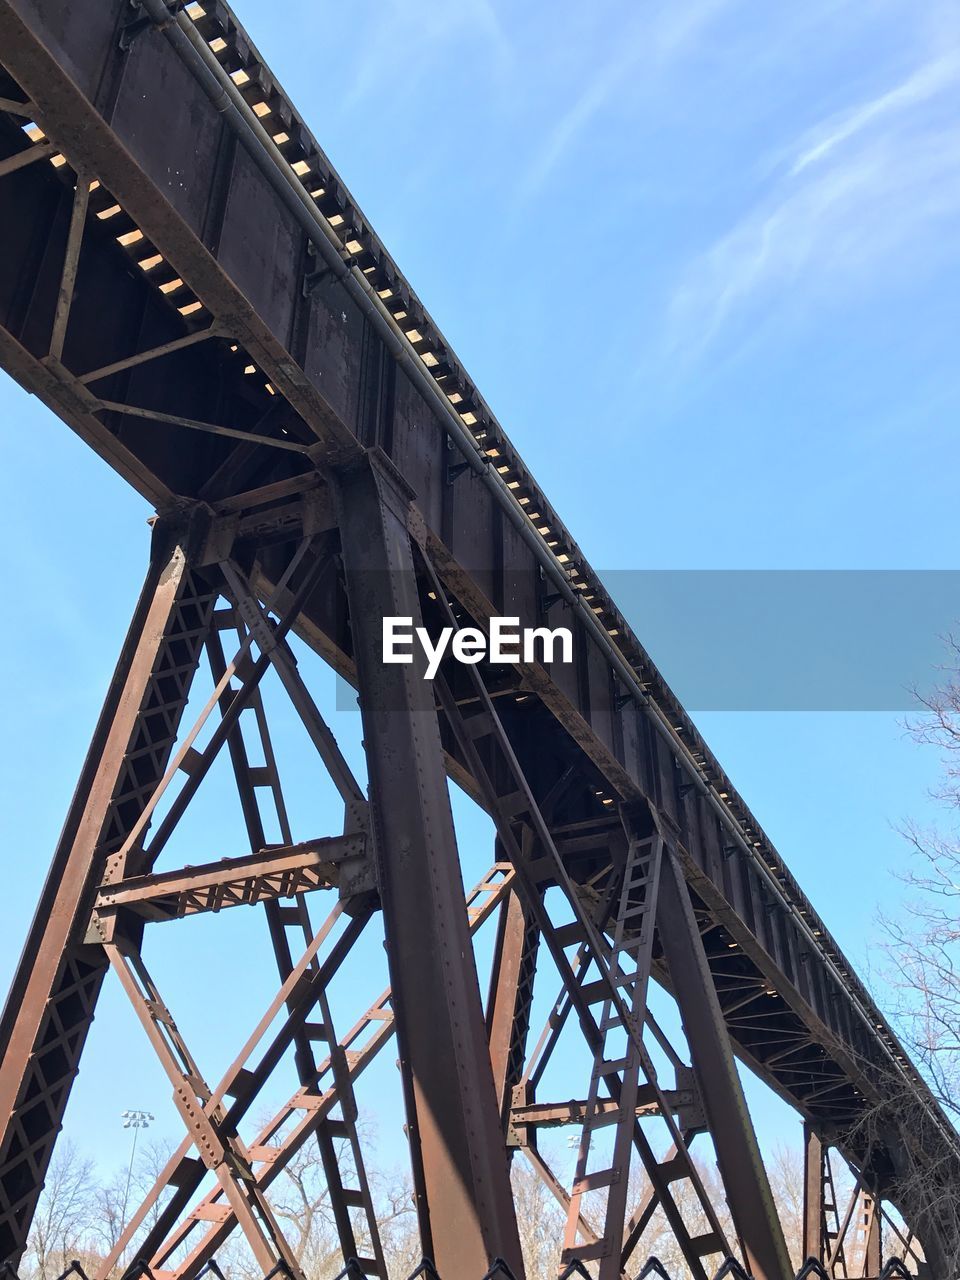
135, 1120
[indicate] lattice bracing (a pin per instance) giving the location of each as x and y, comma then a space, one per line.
238, 344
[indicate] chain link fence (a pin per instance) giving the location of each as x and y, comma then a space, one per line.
893, 1269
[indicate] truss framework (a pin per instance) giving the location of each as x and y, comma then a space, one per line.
844, 1233
601, 944
469, 1085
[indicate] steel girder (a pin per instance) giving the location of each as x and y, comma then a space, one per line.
460, 1173
400, 852
50, 1006
134, 366
843, 1224
453, 1117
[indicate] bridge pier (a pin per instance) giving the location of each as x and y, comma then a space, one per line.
55, 989
460, 1169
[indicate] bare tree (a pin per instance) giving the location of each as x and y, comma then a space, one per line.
540, 1221
80, 1216
300, 1199
659, 1239
397, 1219
923, 950
61, 1225
114, 1201
786, 1183
924, 941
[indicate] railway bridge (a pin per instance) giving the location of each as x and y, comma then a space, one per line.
188, 284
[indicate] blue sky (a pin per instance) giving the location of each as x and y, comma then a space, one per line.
702, 262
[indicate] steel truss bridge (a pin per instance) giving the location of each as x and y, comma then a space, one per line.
187, 283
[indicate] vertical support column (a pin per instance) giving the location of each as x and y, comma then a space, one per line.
461, 1176
872, 1245
511, 990
738, 1155
813, 1198
55, 989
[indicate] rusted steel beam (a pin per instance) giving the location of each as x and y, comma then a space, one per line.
558, 1191
40, 151
661, 1177
143, 357
907, 1240
198, 763
242, 1083
461, 1178
15, 107
544, 1115
814, 1211
296, 1122
504, 809
263, 786
211, 428
630, 954
221, 1151
55, 989
649, 1203
738, 1155
255, 620
870, 1227
55, 388
252, 498
211, 1221
838, 1244
511, 993
71, 259
279, 872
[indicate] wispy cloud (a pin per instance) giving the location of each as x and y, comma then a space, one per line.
860, 197
417, 36
925, 83
574, 121
658, 37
